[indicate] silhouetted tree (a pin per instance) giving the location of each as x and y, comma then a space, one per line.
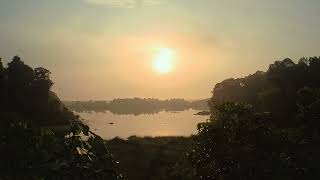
275, 137
32, 146
273, 91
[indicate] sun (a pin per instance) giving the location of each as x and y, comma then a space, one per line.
163, 61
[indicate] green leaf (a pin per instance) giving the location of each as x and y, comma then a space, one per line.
85, 130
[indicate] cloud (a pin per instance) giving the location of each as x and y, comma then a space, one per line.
126, 3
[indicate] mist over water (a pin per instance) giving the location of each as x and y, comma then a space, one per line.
164, 123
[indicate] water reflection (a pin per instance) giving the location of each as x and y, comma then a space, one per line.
164, 123
136, 106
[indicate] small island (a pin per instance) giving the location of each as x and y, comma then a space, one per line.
203, 113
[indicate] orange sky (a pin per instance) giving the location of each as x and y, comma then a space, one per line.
103, 49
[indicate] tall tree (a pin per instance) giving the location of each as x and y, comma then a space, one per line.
31, 146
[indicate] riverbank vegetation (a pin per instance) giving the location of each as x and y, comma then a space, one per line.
30, 147
156, 158
264, 126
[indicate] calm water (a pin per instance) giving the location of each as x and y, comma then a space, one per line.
182, 123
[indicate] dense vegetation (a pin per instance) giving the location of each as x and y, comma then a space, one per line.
40, 138
137, 106
158, 158
273, 91
263, 126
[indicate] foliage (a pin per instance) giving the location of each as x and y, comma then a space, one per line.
228, 146
157, 158
272, 91
276, 137
31, 146
241, 144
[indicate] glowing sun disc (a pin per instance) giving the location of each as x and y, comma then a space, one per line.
162, 63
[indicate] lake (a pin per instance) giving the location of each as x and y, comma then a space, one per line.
164, 123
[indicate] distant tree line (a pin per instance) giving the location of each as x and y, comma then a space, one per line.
264, 126
87, 106
137, 106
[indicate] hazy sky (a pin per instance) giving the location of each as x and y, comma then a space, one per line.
102, 49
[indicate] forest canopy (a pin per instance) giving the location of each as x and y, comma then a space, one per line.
274, 90
263, 126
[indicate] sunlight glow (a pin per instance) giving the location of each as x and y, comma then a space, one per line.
162, 62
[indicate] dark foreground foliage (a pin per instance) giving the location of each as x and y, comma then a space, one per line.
276, 137
159, 158
40, 138
264, 126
